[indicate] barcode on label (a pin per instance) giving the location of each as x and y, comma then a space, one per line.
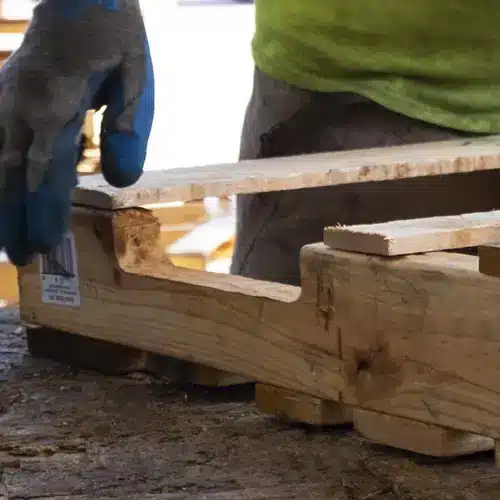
61, 260
59, 274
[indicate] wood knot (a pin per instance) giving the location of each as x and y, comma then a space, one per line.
377, 375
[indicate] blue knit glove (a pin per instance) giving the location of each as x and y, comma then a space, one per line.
76, 55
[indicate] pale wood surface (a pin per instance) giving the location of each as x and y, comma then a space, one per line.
304, 171
414, 337
417, 235
419, 335
246, 327
418, 437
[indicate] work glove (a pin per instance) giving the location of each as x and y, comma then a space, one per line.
76, 55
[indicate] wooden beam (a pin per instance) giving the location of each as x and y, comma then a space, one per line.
413, 337
297, 407
130, 294
305, 171
419, 336
418, 437
411, 236
489, 259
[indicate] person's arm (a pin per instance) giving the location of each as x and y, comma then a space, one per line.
76, 55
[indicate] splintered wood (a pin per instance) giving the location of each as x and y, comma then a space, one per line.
411, 236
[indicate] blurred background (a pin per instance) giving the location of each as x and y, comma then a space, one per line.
203, 66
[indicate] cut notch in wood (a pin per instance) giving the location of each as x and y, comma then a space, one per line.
234, 324
404, 237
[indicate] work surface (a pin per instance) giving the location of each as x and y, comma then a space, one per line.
81, 436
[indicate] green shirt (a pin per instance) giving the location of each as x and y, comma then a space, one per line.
434, 60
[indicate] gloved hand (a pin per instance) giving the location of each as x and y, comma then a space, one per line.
76, 55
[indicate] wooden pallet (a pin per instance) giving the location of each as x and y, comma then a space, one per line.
407, 343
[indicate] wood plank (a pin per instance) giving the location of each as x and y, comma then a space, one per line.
489, 259
206, 238
420, 336
9, 290
298, 407
131, 295
304, 171
13, 25
210, 240
411, 236
425, 439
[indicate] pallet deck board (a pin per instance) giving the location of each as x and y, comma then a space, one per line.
403, 237
296, 172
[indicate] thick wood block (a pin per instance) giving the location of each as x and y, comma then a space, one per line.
115, 359
303, 171
298, 407
132, 295
419, 336
418, 437
489, 259
417, 235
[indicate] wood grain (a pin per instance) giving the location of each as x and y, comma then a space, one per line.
131, 295
304, 171
411, 236
414, 337
419, 335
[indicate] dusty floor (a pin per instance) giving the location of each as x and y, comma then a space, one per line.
79, 436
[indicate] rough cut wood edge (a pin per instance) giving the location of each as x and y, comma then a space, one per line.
297, 407
404, 237
304, 171
424, 439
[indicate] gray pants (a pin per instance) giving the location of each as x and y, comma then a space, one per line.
283, 120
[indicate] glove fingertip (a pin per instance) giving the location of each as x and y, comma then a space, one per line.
122, 159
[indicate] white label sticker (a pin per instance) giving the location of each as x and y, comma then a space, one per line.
59, 274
